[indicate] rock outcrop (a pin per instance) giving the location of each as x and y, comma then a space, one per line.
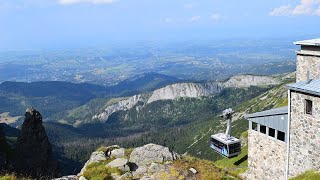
241, 81
121, 105
152, 153
147, 162
33, 149
190, 90
3, 150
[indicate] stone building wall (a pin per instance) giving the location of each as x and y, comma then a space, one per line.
304, 153
305, 62
266, 157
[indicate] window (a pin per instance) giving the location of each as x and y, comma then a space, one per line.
234, 148
272, 132
308, 107
263, 129
254, 126
281, 136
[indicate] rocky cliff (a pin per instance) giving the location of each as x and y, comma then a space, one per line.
33, 149
191, 90
120, 106
241, 81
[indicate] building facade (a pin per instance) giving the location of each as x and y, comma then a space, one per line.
285, 142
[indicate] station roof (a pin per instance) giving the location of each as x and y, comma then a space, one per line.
270, 112
310, 42
310, 87
274, 118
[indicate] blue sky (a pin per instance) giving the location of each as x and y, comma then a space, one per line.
79, 23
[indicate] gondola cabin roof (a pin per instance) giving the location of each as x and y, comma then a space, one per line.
221, 137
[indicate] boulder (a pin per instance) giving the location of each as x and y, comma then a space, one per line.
156, 167
147, 154
141, 171
82, 178
33, 149
193, 170
96, 156
125, 176
120, 163
117, 153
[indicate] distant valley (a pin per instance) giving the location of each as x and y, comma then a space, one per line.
192, 61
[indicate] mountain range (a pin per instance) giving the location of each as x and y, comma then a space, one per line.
180, 115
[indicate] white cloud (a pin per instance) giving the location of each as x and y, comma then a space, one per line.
69, 2
318, 11
194, 18
189, 5
281, 11
215, 17
168, 20
305, 7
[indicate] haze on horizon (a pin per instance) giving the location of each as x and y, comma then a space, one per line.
42, 24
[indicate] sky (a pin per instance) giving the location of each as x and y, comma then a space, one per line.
41, 24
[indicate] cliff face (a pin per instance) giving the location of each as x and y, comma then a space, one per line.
191, 90
33, 148
120, 106
250, 80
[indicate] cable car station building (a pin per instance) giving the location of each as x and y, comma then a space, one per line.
285, 142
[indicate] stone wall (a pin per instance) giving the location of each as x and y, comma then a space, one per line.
304, 153
307, 62
266, 157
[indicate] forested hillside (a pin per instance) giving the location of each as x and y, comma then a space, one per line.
183, 125
55, 98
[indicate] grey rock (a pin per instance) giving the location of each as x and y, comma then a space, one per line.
150, 153
34, 149
82, 178
155, 168
193, 170
71, 177
146, 178
140, 172
125, 176
95, 157
120, 163
121, 105
241, 81
117, 153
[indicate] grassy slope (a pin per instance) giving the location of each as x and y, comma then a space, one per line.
206, 169
308, 175
276, 97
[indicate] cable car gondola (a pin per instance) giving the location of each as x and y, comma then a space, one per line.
223, 143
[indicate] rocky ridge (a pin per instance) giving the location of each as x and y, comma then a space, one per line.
33, 149
149, 162
190, 90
